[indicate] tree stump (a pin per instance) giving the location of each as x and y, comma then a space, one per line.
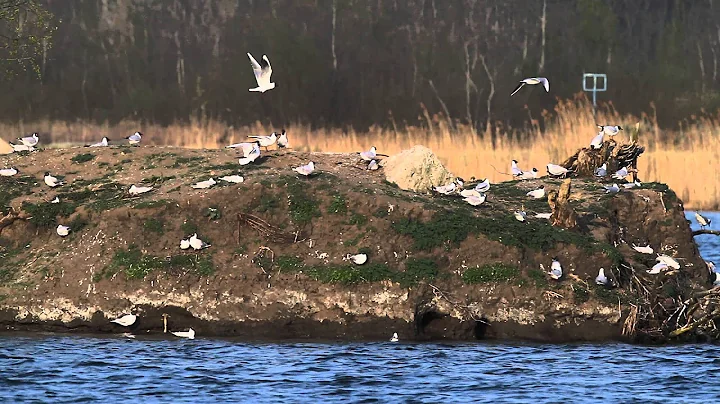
586, 160
563, 214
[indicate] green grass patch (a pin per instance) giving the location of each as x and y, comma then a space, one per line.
82, 158
357, 219
338, 205
45, 214
286, 263
136, 265
303, 207
189, 227
13, 187
213, 213
418, 269
490, 273
152, 204
580, 293
154, 225
538, 277
267, 203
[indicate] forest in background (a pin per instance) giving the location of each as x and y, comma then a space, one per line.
350, 63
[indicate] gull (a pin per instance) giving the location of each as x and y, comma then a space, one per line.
204, 184
265, 141
532, 81
610, 130
252, 156
475, 200
597, 141
657, 268
8, 172
126, 320
103, 143
537, 193
460, 182
710, 266
520, 215
305, 170
245, 147
483, 186
394, 338
611, 189
51, 181
368, 155
601, 279
197, 244
643, 250
715, 279
262, 74
556, 170
283, 141
514, 169
621, 173
630, 185
21, 147
358, 259
184, 244
29, 141
601, 171
373, 165
138, 190
702, 220
56, 200
235, 179
189, 334
62, 231
446, 189
529, 175
467, 193
135, 138
555, 269
669, 261
543, 215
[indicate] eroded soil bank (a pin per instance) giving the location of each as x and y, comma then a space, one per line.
437, 268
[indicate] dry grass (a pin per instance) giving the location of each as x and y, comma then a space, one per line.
686, 159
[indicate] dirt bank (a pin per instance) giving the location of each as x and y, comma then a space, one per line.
437, 268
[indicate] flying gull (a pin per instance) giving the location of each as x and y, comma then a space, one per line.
702, 220
262, 74
532, 81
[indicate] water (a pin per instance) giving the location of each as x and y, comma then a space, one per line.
57, 369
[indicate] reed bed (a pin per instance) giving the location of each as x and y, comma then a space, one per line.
687, 159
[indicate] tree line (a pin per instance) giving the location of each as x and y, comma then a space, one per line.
360, 62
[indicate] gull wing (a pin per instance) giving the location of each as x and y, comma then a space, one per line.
545, 83
255, 66
517, 88
266, 71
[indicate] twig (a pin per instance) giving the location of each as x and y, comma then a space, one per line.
662, 201
500, 172
705, 231
459, 307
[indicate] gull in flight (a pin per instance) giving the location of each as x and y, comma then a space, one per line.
475, 200
204, 184
62, 231
610, 130
601, 279
126, 320
29, 141
514, 169
305, 170
597, 141
357, 259
657, 268
373, 165
702, 220
669, 261
262, 74
394, 338
135, 138
265, 141
51, 181
138, 190
189, 334
556, 170
532, 81
529, 175
252, 156
245, 147
611, 189
601, 171
196, 243
537, 193
105, 142
235, 179
643, 250
283, 141
555, 269
621, 173
8, 172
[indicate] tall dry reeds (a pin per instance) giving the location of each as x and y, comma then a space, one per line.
687, 159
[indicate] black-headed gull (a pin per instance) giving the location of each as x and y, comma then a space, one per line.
482, 186
373, 165
8, 172
702, 220
21, 147
631, 185
556, 170
306, 169
262, 74
520, 215
235, 179
621, 173
529, 175
597, 141
135, 190
62, 231
245, 147
514, 169
358, 259
611, 189
265, 141
610, 130
252, 156
369, 155
475, 200
446, 189
394, 337
189, 334
669, 261
537, 193
601, 171
135, 138
657, 268
198, 244
105, 142
643, 249
283, 141
556, 271
532, 81
204, 184
29, 141
51, 181
601, 279
126, 320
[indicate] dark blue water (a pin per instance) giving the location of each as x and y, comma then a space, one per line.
62, 369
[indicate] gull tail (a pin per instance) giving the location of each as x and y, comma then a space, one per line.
256, 89
517, 88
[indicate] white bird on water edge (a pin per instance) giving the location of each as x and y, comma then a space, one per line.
126, 320
189, 334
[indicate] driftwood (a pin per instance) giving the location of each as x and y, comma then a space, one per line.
563, 214
11, 217
270, 232
704, 231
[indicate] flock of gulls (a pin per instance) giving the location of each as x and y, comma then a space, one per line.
475, 196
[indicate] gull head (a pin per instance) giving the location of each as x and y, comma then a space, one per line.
619, 128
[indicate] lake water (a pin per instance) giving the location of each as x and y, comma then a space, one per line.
64, 369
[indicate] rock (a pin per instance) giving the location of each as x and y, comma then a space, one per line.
416, 169
5, 147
